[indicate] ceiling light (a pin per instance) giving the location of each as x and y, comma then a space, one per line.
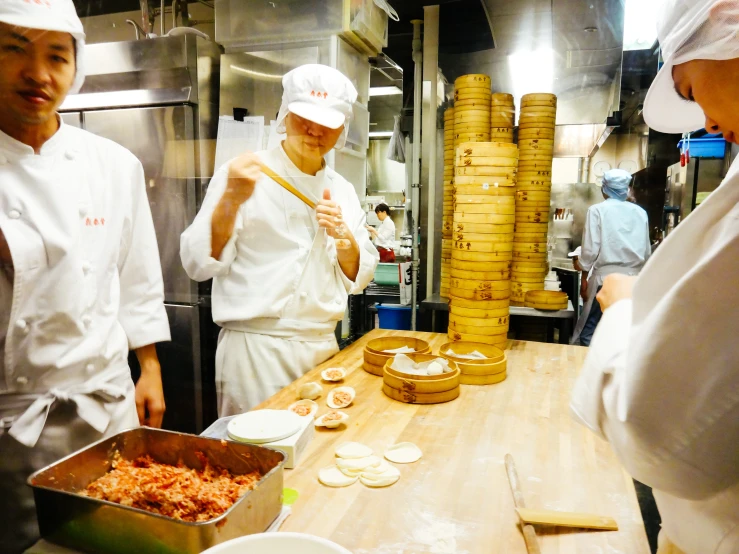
380, 134
384, 91
640, 24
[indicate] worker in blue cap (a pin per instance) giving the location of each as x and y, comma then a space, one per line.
615, 240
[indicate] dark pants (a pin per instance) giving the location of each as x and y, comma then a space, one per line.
591, 323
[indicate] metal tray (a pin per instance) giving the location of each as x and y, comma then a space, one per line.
97, 526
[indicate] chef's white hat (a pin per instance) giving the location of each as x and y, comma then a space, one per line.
48, 15
320, 94
689, 30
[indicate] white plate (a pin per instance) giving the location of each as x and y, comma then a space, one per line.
278, 543
262, 426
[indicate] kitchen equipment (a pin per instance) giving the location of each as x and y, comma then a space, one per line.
375, 354
92, 525
421, 389
479, 371
529, 534
272, 543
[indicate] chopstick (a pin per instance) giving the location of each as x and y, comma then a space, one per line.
529, 534
287, 186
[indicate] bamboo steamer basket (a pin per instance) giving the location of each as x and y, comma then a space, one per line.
499, 119
481, 370
471, 93
525, 134
529, 273
487, 149
505, 173
535, 155
536, 102
522, 288
489, 199
475, 103
536, 195
533, 186
535, 122
466, 294
528, 166
483, 237
504, 265
473, 79
531, 208
532, 115
495, 219
493, 209
529, 256
503, 98
457, 283
477, 330
492, 354
500, 321
536, 174
465, 136
375, 357
492, 247
536, 144
420, 398
526, 278
506, 132
489, 305
531, 246
480, 275
484, 184
465, 256
485, 161
495, 340
472, 124
471, 114
532, 217
529, 237
484, 228
482, 379
547, 297
480, 313
545, 307
540, 97
422, 383
519, 266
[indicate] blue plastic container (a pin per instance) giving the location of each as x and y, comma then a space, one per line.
394, 316
710, 146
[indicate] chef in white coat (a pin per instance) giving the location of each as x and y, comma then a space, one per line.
661, 379
80, 281
282, 271
615, 240
385, 235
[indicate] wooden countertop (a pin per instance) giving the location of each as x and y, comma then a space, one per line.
456, 499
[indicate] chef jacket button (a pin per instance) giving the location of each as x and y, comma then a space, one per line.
22, 326
82, 209
86, 267
69, 155
14, 214
87, 321
21, 380
89, 368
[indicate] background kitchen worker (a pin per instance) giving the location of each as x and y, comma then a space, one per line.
280, 283
615, 240
661, 379
80, 282
385, 235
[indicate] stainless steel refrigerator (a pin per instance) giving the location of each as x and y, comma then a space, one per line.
159, 98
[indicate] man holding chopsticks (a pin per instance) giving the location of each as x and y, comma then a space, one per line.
285, 250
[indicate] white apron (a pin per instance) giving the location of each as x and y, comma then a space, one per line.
595, 281
252, 364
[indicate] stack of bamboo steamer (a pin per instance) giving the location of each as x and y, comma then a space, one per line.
484, 214
421, 389
471, 109
533, 194
447, 219
502, 117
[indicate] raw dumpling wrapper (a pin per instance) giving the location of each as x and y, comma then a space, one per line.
385, 479
332, 477
351, 450
403, 453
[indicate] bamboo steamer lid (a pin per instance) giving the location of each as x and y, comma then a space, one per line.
491, 247
478, 313
495, 340
539, 96
495, 265
469, 256
480, 294
531, 227
500, 321
476, 329
484, 161
544, 133
532, 217
482, 237
488, 199
493, 185
538, 105
463, 227
495, 219
504, 172
420, 398
472, 79
480, 275
458, 283
474, 103
502, 98
491, 209
458, 302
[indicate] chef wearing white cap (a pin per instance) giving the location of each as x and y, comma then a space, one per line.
282, 271
80, 281
615, 240
661, 380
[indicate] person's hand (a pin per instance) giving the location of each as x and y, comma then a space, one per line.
150, 396
615, 287
243, 173
331, 219
371, 230
584, 288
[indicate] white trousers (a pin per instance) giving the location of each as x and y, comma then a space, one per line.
250, 368
64, 433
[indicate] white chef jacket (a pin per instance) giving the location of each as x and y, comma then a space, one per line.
386, 234
87, 281
270, 279
615, 233
661, 379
